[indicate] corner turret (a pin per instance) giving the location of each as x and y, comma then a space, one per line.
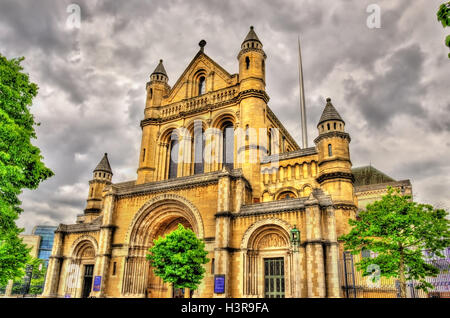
252, 63
102, 176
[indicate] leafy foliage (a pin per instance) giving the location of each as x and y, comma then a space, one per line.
21, 163
178, 258
443, 15
398, 230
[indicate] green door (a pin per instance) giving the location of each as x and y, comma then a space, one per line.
274, 277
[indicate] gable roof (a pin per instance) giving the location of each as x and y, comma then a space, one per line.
200, 54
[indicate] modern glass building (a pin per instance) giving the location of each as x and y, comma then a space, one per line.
47, 234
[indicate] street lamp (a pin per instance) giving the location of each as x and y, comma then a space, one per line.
295, 237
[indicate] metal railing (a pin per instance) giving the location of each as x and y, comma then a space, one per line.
355, 285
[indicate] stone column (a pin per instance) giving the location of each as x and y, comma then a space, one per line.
223, 224
314, 250
296, 269
302, 272
54, 267
332, 255
103, 256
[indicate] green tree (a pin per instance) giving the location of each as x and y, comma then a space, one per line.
21, 163
398, 230
37, 278
178, 258
443, 15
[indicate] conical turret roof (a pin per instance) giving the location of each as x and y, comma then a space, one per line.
104, 165
329, 113
251, 36
160, 69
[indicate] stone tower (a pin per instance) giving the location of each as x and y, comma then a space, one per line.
335, 168
253, 107
157, 88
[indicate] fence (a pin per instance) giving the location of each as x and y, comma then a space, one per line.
355, 285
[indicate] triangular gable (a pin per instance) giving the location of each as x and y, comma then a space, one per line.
200, 61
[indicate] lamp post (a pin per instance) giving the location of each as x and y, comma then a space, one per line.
295, 238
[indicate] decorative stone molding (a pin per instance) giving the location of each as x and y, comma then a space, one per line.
331, 134
290, 155
161, 198
94, 226
223, 214
335, 175
255, 227
335, 158
76, 244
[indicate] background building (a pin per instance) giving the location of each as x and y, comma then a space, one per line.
46, 234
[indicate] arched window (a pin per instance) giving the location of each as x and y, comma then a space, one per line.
201, 85
328, 126
173, 157
263, 64
247, 62
151, 93
198, 146
228, 145
286, 195
269, 142
330, 152
92, 191
143, 155
334, 125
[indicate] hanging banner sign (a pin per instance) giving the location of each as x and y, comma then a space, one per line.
219, 284
97, 283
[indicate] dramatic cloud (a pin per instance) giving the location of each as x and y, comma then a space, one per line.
389, 84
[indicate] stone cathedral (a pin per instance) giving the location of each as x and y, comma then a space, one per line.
246, 211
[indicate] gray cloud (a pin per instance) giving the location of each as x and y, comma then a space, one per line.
390, 85
393, 91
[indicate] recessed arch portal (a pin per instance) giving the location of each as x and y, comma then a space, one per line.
158, 217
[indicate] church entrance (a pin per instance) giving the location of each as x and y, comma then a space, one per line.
157, 218
274, 277
87, 280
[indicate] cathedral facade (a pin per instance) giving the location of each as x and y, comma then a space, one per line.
247, 195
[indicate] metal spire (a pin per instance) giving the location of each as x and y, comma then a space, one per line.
302, 98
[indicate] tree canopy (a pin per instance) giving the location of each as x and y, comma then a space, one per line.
21, 163
178, 258
443, 15
398, 230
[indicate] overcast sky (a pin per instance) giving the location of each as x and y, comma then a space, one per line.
390, 84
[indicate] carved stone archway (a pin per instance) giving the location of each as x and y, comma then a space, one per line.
82, 253
159, 216
266, 239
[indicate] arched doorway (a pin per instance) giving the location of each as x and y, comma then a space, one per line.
156, 288
157, 217
80, 269
268, 262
